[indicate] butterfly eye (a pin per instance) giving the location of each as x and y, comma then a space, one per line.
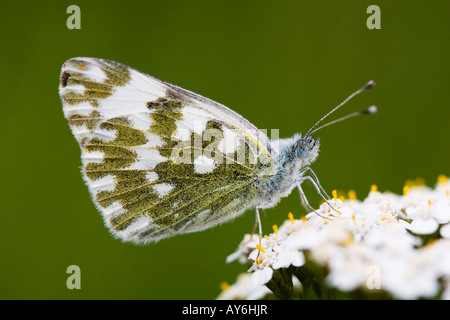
300, 147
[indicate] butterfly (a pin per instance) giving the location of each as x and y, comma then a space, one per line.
160, 160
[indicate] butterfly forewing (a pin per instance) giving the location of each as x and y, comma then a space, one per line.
159, 160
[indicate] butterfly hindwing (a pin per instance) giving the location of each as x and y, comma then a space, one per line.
159, 160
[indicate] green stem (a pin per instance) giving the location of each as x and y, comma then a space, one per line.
281, 284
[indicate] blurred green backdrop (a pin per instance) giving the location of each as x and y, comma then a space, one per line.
281, 64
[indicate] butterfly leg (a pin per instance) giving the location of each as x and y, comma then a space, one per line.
302, 194
258, 221
254, 226
303, 198
315, 179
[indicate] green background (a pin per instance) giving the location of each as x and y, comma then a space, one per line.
280, 64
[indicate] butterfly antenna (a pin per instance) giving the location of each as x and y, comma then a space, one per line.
370, 110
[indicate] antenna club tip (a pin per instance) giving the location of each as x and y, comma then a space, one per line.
369, 85
371, 109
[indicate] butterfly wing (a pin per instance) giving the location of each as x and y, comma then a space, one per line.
159, 160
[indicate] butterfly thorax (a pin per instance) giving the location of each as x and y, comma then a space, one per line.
293, 154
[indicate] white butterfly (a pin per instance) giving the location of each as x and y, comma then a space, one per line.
160, 160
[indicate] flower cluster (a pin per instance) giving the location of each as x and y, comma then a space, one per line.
397, 245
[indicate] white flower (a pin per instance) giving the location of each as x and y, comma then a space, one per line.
423, 218
263, 266
392, 238
245, 247
410, 276
413, 282
325, 213
348, 267
243, 289
347, 240
289, 256
428, 208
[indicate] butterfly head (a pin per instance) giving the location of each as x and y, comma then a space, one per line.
307, 149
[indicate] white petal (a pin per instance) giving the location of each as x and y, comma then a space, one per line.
233, 256
289, 257
424, 226
443, 211
445, 231
260, 277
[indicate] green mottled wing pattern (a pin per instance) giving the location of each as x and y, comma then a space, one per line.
159, 160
